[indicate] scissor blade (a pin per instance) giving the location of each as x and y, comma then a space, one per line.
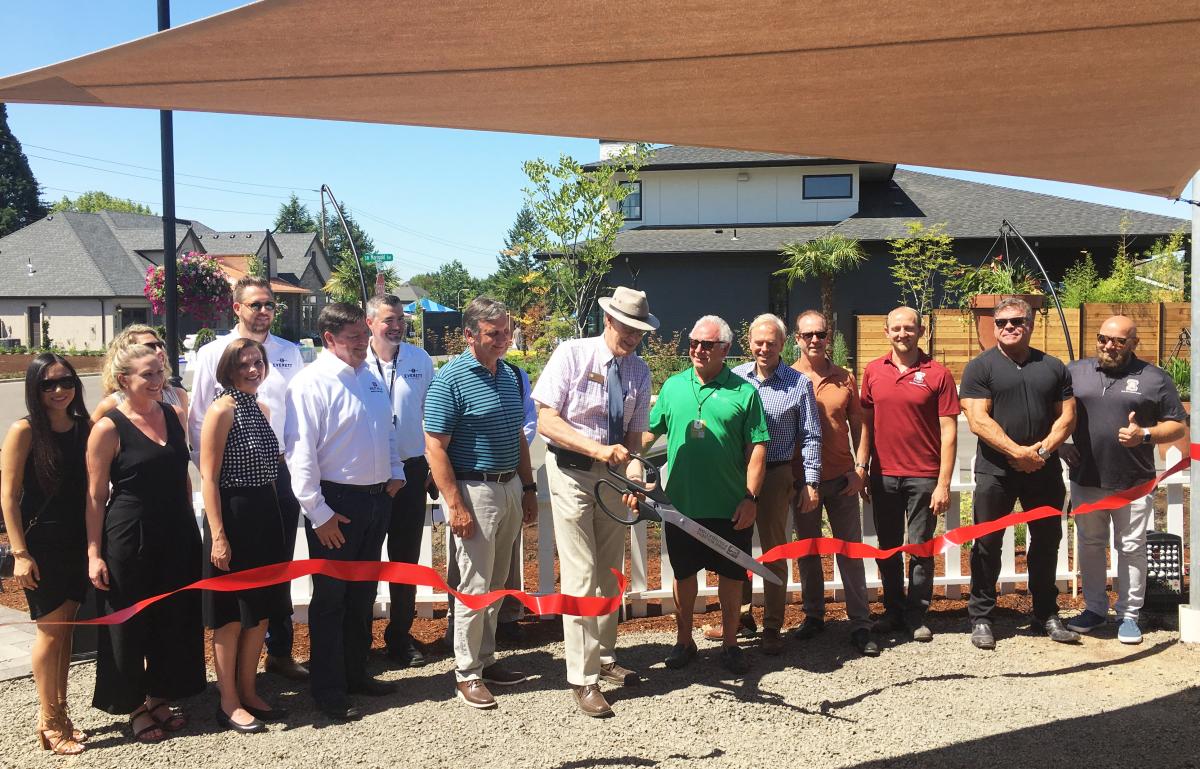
718, 543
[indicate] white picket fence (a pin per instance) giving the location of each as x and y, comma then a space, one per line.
640, 591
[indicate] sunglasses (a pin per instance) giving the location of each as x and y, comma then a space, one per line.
1104, 340
808, 335
156, 345
259, 306
704, 344
1017, 322
50, 385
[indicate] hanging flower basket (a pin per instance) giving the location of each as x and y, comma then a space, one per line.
203, 288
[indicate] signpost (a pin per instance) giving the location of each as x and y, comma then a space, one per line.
376, 257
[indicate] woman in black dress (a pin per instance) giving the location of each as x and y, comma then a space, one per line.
239, 460
143, 540
44, 482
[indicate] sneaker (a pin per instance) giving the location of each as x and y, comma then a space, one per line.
981, 636
922, 633
733, 659
811, 627
1056, 630
1128, 632
861, 640
1085, 622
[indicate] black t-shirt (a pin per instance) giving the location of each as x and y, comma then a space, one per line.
1023, 399
1105, 399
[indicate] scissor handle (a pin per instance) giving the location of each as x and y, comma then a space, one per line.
649, 473
645, 512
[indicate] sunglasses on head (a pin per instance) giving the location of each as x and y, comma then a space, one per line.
1017, 322
259, 306
704, 344
1118, 340
50, 385
807, 335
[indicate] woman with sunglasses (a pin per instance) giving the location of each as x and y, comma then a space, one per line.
142, 540
42, 495
137, 333
239, 462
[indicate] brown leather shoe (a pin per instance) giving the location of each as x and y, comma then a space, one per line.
615, 674
286, 667
475, 693
590, 701
502, 676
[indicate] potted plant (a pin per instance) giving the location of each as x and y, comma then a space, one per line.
981, 288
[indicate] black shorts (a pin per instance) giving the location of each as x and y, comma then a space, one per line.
689, 555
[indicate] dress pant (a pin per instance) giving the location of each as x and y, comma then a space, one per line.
590, 544
994, 498
339, 615
406, 527
903, 506
1129, 524
279, 626
483, 565
511, 610
845, 520
774, 513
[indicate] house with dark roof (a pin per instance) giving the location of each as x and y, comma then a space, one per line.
81, 276
704, 229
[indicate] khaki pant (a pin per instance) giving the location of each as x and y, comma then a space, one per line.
774, 513
845, 518
483, 562
590, 544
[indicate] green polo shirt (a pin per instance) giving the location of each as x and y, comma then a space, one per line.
708, 472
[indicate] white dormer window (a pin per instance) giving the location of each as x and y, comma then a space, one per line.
828, 187
631, 205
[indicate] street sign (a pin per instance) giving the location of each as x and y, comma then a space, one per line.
376, 257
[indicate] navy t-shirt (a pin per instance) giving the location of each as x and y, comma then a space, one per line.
1023, 400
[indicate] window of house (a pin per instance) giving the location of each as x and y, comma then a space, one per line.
828, 186
631, 206
777, 296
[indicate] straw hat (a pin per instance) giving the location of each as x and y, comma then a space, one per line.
630, 307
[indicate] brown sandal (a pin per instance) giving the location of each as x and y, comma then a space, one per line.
77, 735
176, 719
142, 735
54, 734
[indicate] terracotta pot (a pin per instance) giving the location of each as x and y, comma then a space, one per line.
983, 307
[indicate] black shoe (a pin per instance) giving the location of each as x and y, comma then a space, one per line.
372, 687
253, 727
271, 714
811, 627
341, 713
510, 632
981, 636
891, 623
747, 626
733, 659
681, 655
1056, 629
862, 640
410, 655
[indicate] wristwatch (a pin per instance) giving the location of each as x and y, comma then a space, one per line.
752, 497
1146, 435
529, 487
1043, 454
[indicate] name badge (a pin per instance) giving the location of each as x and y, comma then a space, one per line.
596, 377
696, 429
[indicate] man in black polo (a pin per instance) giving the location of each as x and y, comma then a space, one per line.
1126, 406
1019, 403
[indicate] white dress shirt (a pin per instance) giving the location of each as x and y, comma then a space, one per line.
339, 428
283, 363
406, 377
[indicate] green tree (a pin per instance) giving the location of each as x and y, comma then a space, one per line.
20, 196
294, 216
822, 259
1079, 282
517, 280
339, 245
922, 263
255, 267
343, 285
95, 201
577, 212
450, 284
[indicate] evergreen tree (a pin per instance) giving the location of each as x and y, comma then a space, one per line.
294, 216
339, 246
20, 197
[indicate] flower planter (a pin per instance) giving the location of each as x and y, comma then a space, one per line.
983, 307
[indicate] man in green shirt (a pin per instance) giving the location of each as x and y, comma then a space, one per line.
716, 459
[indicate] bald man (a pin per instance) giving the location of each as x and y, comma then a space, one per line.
1124, 407
912, 461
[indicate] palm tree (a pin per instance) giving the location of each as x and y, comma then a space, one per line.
823, 258
343, 285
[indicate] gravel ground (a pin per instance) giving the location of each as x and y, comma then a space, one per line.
1031, 703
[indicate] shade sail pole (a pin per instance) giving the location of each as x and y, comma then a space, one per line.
1189, 615
166, 129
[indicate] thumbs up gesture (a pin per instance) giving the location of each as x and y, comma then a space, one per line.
1130, 436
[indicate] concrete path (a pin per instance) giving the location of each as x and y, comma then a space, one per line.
16, 642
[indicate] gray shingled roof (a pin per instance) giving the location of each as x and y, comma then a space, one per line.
679, 156
293, 250
72, 255
672, 240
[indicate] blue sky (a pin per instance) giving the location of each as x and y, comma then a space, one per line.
426, 195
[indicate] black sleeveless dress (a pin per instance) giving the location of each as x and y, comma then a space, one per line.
55, 533
151, 545
250, 515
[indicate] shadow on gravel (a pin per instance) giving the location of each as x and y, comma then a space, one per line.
1158, 733
635, 760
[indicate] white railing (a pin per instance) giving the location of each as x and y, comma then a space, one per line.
640, 591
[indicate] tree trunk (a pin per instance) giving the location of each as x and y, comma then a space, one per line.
827, 299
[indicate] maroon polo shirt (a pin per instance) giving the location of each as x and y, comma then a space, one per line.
908, 437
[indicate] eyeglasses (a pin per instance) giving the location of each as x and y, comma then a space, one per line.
1104, 340
704, 344
50, 385
808, 335
156, 345
1017, 322
258, 306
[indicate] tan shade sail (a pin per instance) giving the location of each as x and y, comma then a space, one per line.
1098, 92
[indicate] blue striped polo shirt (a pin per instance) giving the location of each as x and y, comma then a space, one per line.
482, 413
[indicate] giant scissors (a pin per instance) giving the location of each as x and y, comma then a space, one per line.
654, 505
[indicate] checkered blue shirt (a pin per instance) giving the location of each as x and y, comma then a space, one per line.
787, 397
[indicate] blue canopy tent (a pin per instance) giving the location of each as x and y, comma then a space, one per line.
426, 305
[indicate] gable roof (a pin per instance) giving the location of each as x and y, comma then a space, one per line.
294, 251
72, 254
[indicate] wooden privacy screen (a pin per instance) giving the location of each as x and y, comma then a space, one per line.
954, 341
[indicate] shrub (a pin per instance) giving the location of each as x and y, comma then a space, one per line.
839, 352
1180, 371
203, 337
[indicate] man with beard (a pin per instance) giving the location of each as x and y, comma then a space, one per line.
1126, 406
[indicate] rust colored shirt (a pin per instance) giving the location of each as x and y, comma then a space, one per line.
837, 401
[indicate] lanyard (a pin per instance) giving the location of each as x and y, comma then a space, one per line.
696, 394
392, 383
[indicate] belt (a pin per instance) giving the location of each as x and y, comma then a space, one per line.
476, 475
780, 463
571, 456
414, 460
370, 488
